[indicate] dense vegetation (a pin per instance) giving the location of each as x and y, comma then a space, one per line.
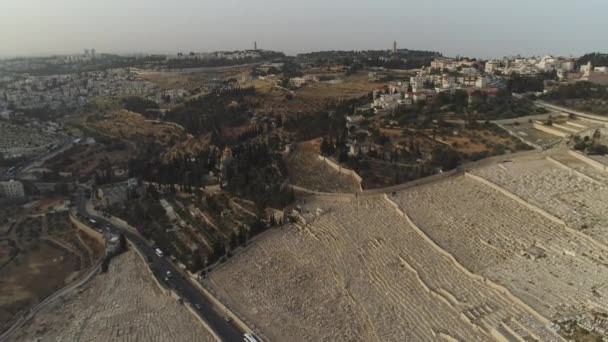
578, 90
138, 105
502, 106
597, 59
209, 113
523, 84
403, 59
591, 145
476, 106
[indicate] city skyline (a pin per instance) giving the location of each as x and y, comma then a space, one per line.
468, 28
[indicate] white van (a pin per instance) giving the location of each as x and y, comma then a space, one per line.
159, 252
250, 337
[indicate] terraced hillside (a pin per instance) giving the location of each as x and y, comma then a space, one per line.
556, 270
121, 305
562, 185
360, 271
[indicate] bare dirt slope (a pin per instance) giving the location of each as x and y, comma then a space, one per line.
307, 171
41, 254
121, 305
135, 127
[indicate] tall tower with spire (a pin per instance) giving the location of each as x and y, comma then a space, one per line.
255, 45
395, 46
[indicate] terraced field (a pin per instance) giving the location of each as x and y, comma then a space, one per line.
362, 271
492, 234
121, 305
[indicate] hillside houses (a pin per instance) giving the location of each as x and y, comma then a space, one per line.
530, 65
425, 87
218, 55
74, 90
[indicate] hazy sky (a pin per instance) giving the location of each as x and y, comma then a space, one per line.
483, 28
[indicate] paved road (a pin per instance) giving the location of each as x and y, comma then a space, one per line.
159, 266
36, 161
571, 111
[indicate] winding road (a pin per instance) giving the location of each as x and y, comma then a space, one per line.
159, 266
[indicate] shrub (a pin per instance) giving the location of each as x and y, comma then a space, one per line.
597, 149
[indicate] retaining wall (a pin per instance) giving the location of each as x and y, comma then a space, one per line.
88, 230
549, 130
566, 128
202, 321
457, 264
417, 182
592, 162
572, 111
172, 293
513, 134
572, 171
217, 303
341, 169
515, 198
160, 286
346, 196
538, 210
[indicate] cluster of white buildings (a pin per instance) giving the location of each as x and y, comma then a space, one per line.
74, 90
453, 64
597, 75
19, 140
425, 86
29, 64
531, 65
298, 82
88, 56
564, 66
218, 55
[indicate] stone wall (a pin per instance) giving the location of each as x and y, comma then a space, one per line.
548, 129
341, 169
172, 293
88, 230
593, 163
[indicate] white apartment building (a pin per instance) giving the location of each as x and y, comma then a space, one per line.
417, 83
491, 66
481, 82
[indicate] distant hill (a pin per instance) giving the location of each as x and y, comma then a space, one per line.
401, 59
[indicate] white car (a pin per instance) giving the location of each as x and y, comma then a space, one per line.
250, 337
159, 252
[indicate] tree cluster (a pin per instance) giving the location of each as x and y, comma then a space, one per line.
138, 104
578, 90
524, 84
597, 59
209, 113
